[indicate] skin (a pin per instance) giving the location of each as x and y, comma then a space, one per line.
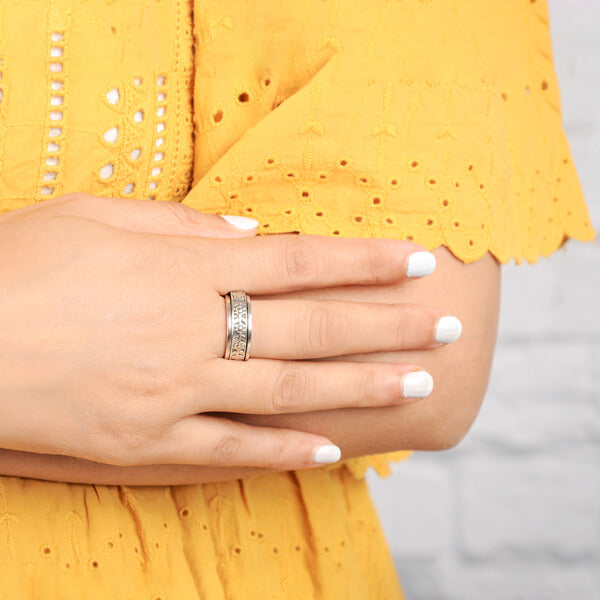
460, 372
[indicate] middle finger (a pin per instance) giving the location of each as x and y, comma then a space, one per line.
304, 329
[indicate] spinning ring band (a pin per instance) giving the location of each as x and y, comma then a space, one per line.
239, 325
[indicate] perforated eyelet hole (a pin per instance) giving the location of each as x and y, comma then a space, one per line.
138, 117
457, 185
52, 147
456, 224
429, 222
46, 191
156, 171
233, 196
137, 81
129, 188
445, 203
160, 111
389, 221
470, 167
217, 179
50, 176
527, 90
56, 101
52, 161
113, 96
56, 115
481, 186
57, 85
305, 193
218, 116
343, 162
111, 135
376, 200
56, 51
358, 219
323, 175
160, 127
336, 232
290, 174
106, 172
159, 141
161, 80
413, 165
318, 214
56, 67
161, 96
410, 238
56, 36
544, 85
504, 96
55, 132
394, 182
288, 211
270, 160
471, 243
152, 185
243, 97
158, 156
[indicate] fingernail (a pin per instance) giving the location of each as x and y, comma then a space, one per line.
420, 264
327, 454
448, 330
240, 222
417, 384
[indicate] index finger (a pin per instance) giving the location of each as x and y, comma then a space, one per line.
280, 263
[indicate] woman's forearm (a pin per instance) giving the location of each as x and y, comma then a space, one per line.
67, 469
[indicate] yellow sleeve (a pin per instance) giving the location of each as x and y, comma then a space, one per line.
433, 121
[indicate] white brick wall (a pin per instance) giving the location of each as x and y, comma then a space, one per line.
514, 511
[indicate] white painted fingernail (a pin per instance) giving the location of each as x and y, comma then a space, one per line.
448, 330
420, 264
417, 384
240, 222
327, 454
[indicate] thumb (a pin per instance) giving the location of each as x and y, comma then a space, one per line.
151, 216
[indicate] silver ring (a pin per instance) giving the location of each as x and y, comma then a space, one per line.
239, 325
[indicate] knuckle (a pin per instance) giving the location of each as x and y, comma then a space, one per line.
278, 455
183, 214
301, 261
226, 450
376, 264
291, 387
325, 328
369, 388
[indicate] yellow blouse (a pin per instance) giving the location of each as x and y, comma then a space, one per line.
432, 120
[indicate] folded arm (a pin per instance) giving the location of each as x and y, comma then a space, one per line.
460, 372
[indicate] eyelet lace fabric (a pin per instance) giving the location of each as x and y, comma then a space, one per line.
427, 120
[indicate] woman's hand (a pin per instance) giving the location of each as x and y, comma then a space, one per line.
113, 331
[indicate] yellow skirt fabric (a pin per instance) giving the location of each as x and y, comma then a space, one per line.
428, 120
